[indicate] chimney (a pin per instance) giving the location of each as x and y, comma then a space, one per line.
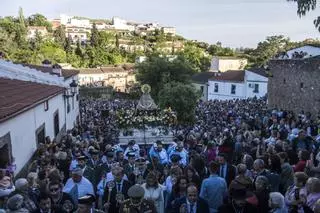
46, 63
57, 69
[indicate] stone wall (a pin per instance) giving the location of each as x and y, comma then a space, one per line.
295, 85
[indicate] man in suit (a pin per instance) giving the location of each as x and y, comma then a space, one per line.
88, 172
118, 193
226, 170
192, 203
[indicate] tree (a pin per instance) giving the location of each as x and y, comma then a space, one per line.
21, 18
196, 57
78, 50
304, 6
94, 39
39, 20
182, 98
269, 48
59, 35
67, 46
157, 72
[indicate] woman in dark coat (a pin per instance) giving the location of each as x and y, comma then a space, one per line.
262, 193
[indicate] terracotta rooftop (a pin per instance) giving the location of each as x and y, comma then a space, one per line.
231, 75
108, 69
18, 96
66, 73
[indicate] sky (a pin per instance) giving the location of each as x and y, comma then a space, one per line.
235, 23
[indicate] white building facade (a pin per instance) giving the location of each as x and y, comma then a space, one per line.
33, 117
223, 64
237, 85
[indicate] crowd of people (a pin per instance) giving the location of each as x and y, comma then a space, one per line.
237, 157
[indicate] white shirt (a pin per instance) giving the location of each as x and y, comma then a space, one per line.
84, 187
194, 208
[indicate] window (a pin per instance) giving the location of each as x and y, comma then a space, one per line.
233, 89
201, 89
256, 88
68, 105
46, 105
284, 81
216, 87
301, 85
56, 123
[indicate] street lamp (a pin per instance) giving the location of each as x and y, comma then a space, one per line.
73, 88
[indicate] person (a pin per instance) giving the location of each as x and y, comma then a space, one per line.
242, 178
154, 191
262, 193
22, 188
192, 176
296, 194
286, 176
238, 203
226, 170
129, 167
132, 147
303, 156
214, 184
276, 203
192, 203
60, 199
85, 205
15, 204
45, 205
313, 190
158, 151
179, 191
182, 152
275, 170
78, 186
116, 191
136, 202
88, 172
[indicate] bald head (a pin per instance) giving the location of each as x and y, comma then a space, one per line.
192, 193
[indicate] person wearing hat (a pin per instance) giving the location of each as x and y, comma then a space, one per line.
158, 151
78, 186
136, 203
88, 172
132, 147
180, 150
85, 204
130, 166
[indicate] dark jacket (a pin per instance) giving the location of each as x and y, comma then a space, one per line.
202, 205
228, 208
114, 206
231, 173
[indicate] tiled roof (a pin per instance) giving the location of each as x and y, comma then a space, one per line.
18, 96
91, 71
231, 75
259, 71
66, 73
202, 77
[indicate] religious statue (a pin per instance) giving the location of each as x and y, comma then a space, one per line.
146, 102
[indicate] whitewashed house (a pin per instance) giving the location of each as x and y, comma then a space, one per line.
237, 84
33, 105
223, 64
200, 82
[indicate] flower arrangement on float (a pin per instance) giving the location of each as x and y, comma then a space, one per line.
130, 119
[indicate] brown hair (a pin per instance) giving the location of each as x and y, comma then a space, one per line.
301, 177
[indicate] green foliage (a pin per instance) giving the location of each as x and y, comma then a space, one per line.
181, 98
196, 57
267, 49
218, 50
158, 71
94, 39
39, 20
59, 35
